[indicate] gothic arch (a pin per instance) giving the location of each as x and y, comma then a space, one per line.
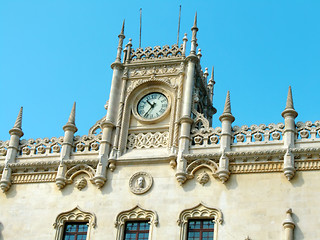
134, 214
74, 215
201, 211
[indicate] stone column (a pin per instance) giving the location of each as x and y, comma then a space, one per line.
288, 226
15, 134
225, 140
289, 114
67, 147
186, 120
110, 122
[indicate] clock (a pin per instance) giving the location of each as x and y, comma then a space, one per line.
152, 105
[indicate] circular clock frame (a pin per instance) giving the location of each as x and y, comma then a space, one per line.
141, 95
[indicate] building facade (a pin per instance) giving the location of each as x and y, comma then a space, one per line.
154, 168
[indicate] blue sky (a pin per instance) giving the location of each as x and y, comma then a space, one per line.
53, 53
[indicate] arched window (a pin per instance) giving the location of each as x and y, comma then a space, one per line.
74, 224
136, 223
200, 222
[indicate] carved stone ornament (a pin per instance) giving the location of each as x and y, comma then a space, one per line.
203, 178
76, 214
140, 182
81, 183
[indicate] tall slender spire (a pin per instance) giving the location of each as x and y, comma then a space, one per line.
195, 22
289, 109
122, 29
18, 123
194, 30
121, 36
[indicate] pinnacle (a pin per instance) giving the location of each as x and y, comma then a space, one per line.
122, 29
72, 116
195, 21
18, 123
227, 105
289, 104
289, 110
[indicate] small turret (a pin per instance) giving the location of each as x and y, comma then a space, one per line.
15, 134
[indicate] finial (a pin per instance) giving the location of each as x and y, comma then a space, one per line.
17, 127
185, 37
288, 222
199, 53
212, 73
122, 29
289, 105
72, 116
227, 109
71, 125
195, 21
18, 123
227, 105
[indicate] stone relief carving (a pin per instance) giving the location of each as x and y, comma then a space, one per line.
156, 52
3, 147
154, 70
134, 84
76, 214
203, 178
81, 183
140, 182
195, 165
147, 140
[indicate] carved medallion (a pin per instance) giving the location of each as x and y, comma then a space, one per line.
140, 182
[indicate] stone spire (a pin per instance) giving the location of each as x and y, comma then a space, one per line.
71, 121
121, 37
17, 128
227, 109
211, 84
289, 106
194, 30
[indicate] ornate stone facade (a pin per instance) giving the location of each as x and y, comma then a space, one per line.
166, 159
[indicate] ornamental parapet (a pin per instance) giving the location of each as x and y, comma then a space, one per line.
156, 52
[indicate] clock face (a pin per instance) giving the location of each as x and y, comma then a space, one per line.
152, 105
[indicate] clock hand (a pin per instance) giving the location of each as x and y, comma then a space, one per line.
150, 103
146, 114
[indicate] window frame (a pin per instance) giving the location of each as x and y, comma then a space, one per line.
201, 230
135, 214
136, 231
76, 215
65, 233
201, 212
